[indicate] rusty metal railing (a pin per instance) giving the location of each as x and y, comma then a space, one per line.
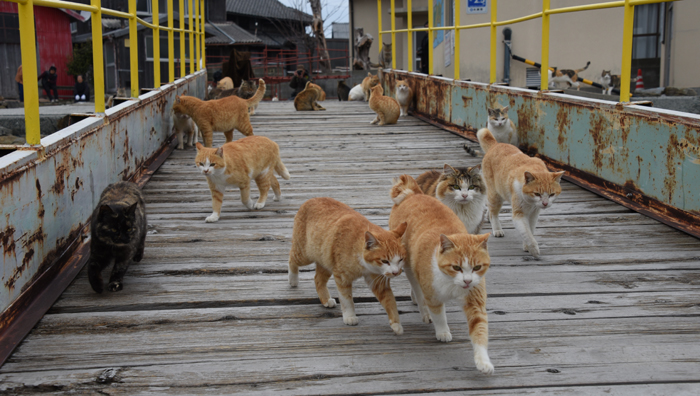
28, 48
544, 14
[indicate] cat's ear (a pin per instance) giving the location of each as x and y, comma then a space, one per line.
220, 152
399, 231
491, 111
529, 177
199, 146
475, 170
177, 98
370, 241
483, 238
105, 209
132, 209
505, 109
558, 175
448, 170
445, 243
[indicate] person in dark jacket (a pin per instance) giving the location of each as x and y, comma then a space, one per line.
299, 80
48, 82
424, 53
82, 90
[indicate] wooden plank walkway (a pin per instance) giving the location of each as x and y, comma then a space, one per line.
612, 306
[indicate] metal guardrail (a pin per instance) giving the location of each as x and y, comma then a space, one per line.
544, 14
28, 48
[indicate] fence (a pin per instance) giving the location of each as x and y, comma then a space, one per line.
494, 23
28, 47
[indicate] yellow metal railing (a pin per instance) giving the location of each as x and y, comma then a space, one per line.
28, 48
494, 23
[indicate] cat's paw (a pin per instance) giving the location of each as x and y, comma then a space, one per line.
499, 233
259, 205
250, 204
293, 279
444, 337
330, 303
484, 365
534, 250
115, 286
398, 329
277, 198
426, 318
212, 219
350, 320
525, 247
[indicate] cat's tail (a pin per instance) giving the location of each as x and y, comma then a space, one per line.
404, 186
282, 170
258, 94
486, 139
584, 68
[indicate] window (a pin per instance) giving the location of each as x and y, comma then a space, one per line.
74, 27
9, 28
647, 33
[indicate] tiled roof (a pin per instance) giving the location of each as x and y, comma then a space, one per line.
238, 34
272, 9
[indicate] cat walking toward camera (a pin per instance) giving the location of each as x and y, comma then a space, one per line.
444, 263
343, 243
502, 128
237, 164
525, 182
118, 234
404, 95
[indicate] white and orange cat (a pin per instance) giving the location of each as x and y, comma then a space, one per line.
502, 127
186, 130
343, 243
387, 108
404, 95
444, 263
525, 182
236, 164
223, 115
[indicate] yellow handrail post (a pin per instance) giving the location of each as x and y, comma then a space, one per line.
456, 39
171, 43
494, 40
190, 4
156, 45
201, 16
626, 73
544, 68
98, 58
183, 58
29, 65
196, 29
379, 21
393, 35
430, 38
409, 9
133, 50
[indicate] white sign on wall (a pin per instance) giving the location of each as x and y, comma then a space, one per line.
449, 48
477, 6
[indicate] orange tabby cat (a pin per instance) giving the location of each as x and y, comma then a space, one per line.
237, 163
512, 176
444, 263
387, 108
321, 93
343, 243
368, 83
224, 114
306, 100
404, 95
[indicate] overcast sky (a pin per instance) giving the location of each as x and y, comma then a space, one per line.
338, 8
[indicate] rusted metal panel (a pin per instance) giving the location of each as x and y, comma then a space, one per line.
47, 197
646, 152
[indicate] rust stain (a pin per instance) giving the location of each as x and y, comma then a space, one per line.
17, 272
562, 123
125, 156
600, 132
8, 240
38, 197
525, 122
38, 236
78, 184
467, 100
62, 172
673, 152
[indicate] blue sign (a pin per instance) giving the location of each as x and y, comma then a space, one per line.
438, 21
477, 6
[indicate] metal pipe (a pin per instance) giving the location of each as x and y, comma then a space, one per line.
27, 40
430, 38
507, 32
183, 62
195, 5
393, 35
155, 34
544, 74
410, 35
456, 39
98, 58
626, 72
171, 43
494, 40
203, 35
190, 4
379, 21
133, 50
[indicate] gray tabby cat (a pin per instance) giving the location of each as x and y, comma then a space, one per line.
118, 229
462, 189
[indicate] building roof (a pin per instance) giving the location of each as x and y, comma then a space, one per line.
271, 9
235, 32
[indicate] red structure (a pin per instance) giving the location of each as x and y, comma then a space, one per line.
54, 43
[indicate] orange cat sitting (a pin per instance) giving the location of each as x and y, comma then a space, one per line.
524, 181
387, 108
444, 263
343, 243
368, 83
237, 163
223, 115
306, 100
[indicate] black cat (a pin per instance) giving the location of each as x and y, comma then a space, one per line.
343, 91
118, 230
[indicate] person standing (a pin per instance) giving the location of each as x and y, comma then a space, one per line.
48, 81
424, 52
82, 90
20, 83
299, 80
